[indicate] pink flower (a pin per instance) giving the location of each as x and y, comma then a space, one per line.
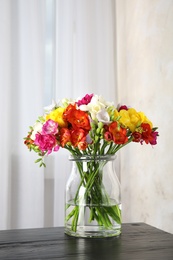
50, 127
46, 142
85, 100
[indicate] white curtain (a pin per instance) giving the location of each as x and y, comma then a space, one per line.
49, 50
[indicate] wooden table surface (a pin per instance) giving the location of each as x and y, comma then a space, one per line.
138, 241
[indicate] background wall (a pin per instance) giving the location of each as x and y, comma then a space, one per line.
145, 81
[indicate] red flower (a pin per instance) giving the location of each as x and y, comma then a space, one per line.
108, 136
148, 135
119, 133
137, 137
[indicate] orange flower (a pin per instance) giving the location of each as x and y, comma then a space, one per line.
65, 136
69, 108
77, 118
78, 138
119, 133
28, 141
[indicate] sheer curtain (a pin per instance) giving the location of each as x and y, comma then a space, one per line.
49, 50
22, 89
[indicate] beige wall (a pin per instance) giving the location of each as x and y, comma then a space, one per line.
145, 81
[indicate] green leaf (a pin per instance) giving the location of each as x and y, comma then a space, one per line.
38, 160
42, 164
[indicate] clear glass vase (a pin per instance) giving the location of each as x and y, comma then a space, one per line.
93, 198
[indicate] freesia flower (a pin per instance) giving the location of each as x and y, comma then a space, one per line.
50, 127
103, 116
46, 143
148, 135
37, 128
57, 116
95, 106
108, 136
119, 134
132, 119
65, 136
122, 107
77, 118
85, 100
153, 137
51, 107
28, 141
137, 137
78, 138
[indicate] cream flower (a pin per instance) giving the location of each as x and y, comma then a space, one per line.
37, 128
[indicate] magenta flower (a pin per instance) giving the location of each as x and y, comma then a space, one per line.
85, 100
153, 139
50, 127
46, 142
122, 107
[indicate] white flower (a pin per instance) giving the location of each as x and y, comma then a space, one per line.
37, 128
103, 116
51, 107
66, 101
96, 105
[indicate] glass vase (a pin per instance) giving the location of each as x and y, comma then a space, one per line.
93, 198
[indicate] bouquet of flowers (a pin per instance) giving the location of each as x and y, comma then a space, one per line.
89, 126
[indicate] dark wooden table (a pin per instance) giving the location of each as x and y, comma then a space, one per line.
138, 241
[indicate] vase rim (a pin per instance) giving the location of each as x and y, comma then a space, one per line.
107, 157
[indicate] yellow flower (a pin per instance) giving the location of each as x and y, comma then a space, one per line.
124, 118
57, 116
144, 119
132, 119
116, 114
